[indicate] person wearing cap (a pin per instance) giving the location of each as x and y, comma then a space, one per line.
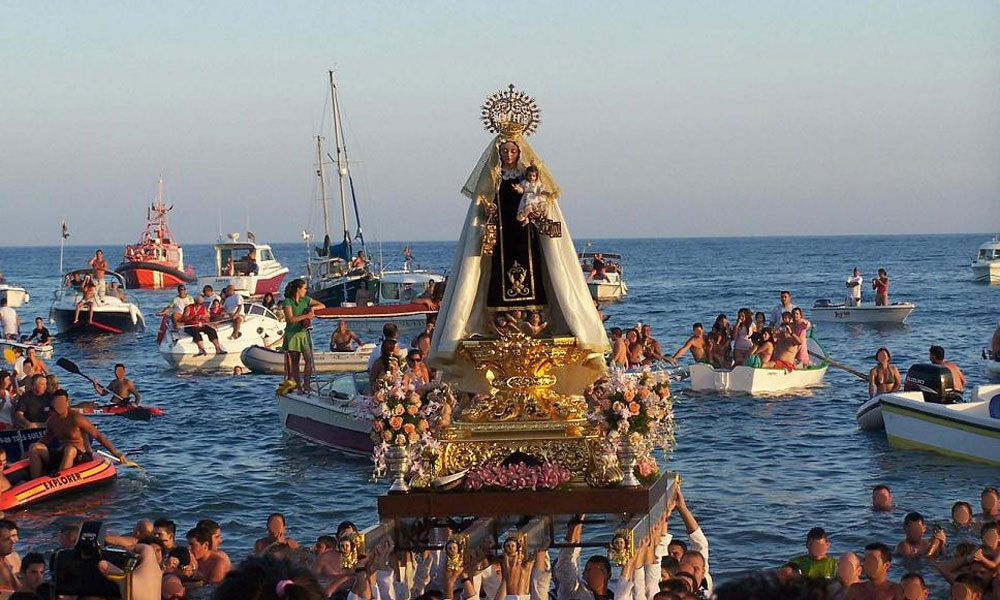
816, 564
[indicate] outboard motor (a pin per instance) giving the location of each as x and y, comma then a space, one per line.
822, 303
935, 381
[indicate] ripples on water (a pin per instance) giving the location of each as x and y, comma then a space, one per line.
758, 472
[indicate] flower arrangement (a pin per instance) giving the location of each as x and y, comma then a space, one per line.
517, 476
635, 408
403, 414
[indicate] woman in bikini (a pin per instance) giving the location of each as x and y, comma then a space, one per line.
884, 377
635, 353
763, 349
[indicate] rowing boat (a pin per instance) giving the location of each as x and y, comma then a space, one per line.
26, 491
748, 380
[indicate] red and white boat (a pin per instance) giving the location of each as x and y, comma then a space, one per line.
157, 260
234, 267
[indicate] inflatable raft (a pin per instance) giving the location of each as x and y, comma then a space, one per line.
265, 360
27, 491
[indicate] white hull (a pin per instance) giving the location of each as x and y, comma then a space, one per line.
963, 430
180, 351
45, 350
272, 361
869, 414
866, 313
706, 378
328, 418
16, 296
992, 368
122, 316
986, 272
614, 288
371, 328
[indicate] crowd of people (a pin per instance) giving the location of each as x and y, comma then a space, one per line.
200, 315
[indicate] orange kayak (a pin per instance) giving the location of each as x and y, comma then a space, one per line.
26, 491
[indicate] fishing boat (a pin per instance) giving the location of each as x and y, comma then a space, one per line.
234, 267
394, 303
15, 442
330, 277
260, 327
157, 260
986, 264
44, 350
26, 491
823, 311
612, 286
969, 430
271, 361
923, 382
112, 313
329, 416
748, 380
16, 296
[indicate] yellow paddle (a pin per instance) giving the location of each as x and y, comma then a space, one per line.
114, 460
9, 356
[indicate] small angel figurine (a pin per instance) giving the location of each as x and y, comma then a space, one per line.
535, 325
534, 202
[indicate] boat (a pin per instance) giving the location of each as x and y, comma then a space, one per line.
26, 491
44, 350
16, 296
111, 313
260, 327
923, 382
329, 276
986, 264
748, 380
157, 260
991, 367
270, 271
969, 430
91, 410
15, 442
394, 303
613, 286
329, 416
261, 359
823, 311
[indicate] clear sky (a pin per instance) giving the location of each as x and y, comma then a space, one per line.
659, 118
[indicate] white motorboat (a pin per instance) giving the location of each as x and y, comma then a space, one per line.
16, 296
44, 350
271, 361
260, 327
748, 380
329, 416
395, 303
969, 430
986, 264
112, 313
927, 383
233, 267
823, 311
612, 286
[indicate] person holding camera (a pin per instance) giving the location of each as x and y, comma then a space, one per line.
73, 431
881, 286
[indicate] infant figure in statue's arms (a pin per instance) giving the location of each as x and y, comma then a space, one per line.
534, 203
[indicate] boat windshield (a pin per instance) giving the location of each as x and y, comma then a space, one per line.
265, 254
395, 290
988, 254
361, 383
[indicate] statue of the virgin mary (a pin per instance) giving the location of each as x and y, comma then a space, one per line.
506, 263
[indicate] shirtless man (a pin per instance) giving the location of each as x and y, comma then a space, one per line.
914, 545
275, 534
89, 300
695, 343
100, 267
937, 357
876, 567
343, 339
72, 430
326, 566
650, 346
212, 565
619, 351
786, 347
121, 388
10, 560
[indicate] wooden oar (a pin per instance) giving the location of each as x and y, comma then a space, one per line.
841, 366
114, 460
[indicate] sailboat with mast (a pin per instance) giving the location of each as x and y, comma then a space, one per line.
330, 275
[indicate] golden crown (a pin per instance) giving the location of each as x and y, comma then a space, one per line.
511, 113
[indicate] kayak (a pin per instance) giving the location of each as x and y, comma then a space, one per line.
15, 442
117, 410
27, 491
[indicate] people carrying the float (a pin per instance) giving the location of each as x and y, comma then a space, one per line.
878, 559
593, 583
299, 312
121, 388
937, 357
695, 343
343, 339
884, 377
276, 534
913, 544
195, 322
232, 306
534, 203
786, 306
800, 329
32, 407
73, 432
211, 565
854, 284
881, 286
742, 332
88, 301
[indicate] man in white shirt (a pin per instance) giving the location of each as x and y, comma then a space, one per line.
854, 283
233, 305
9, 321
176, 307
786, 306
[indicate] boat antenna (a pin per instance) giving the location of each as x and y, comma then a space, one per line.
322, 186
